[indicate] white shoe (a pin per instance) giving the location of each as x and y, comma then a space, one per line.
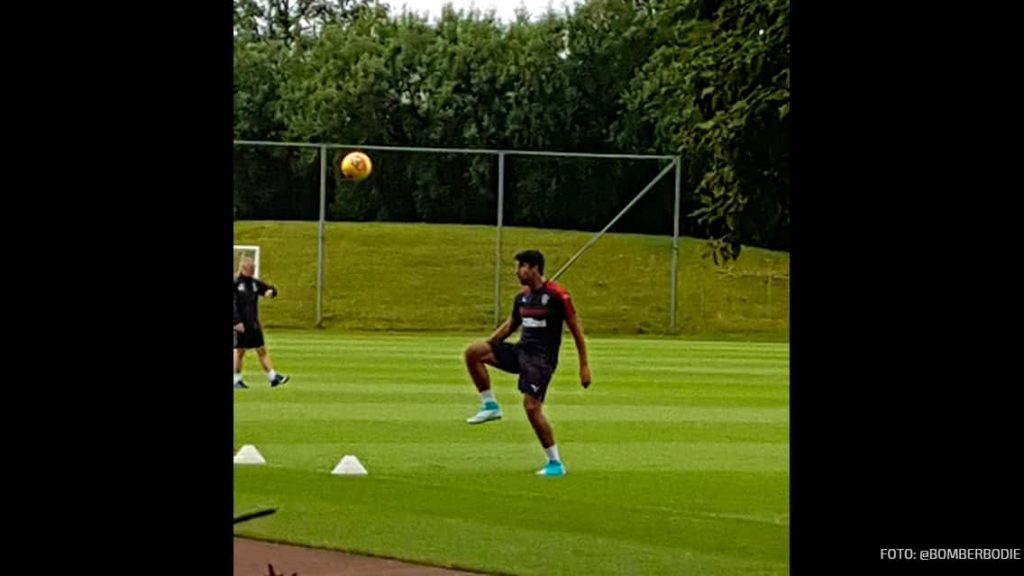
485, 414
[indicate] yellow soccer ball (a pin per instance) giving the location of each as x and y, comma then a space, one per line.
356, 166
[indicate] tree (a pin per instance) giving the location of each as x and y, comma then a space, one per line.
717, 91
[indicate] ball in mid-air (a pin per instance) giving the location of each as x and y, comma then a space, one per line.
356, 166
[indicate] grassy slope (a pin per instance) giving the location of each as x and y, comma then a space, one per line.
381, 276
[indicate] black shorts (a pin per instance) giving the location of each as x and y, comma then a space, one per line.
251, 338
534, 368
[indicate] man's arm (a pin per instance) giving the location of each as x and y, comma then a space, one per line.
265, 289
581, 347
505, 330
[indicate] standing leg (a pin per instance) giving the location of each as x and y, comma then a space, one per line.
239, 355
272, 375
541, 426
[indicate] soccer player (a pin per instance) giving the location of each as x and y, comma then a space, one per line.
540, 308
248, 332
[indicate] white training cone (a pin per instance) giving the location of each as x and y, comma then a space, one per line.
349, 465
248, 454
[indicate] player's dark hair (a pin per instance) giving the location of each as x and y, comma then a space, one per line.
533, 258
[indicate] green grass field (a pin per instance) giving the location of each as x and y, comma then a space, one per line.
678, 456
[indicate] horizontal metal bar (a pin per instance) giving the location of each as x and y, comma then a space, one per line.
452, 150
588, 155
